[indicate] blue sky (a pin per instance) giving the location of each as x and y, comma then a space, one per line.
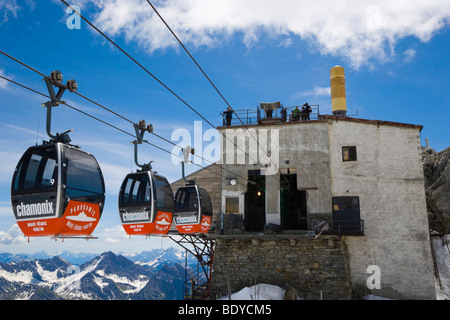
396, 57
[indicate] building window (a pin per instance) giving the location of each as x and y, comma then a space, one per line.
349, 153
232, 205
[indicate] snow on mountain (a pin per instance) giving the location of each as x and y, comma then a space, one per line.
152, 258
442, 253
107, 276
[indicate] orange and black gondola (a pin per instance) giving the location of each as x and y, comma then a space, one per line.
193, 210
145, 204
57, 190
193, 207
145, 197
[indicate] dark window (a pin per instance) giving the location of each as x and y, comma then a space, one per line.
83, 175
186, 200
345, 203
232, 205
163, 194
206, 202
136, 190
37, 170
346, 215
126, 191
349, 153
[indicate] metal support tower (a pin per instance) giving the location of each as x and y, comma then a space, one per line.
197, 279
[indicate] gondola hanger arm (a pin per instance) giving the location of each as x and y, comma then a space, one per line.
140, 129
186, 152
55, 80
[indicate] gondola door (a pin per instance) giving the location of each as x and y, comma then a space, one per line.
84, 192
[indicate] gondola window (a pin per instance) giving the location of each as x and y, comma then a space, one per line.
83, 175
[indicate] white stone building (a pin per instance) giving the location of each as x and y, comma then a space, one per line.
363, 177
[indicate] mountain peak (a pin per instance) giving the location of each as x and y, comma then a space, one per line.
106, 276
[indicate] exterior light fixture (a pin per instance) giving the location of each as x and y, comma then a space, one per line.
233, 182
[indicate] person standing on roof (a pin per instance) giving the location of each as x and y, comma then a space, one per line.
296, 114
308, 110
228, 116
283, 114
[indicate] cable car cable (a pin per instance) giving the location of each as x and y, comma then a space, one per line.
115, 127
105, 108
148, 72
200, 68
140, 65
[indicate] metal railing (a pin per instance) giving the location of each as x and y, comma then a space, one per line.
346, 227
231, 223
258, 115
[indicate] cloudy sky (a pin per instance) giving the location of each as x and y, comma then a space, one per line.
396, 55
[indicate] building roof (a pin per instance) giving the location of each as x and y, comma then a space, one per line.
325, 118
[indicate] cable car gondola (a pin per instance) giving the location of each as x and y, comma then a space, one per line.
57, 190
193, 208
145, 198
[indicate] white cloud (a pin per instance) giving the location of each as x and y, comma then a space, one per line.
286, 43
8, 7
13, 236
353, 29
317, 92
114, 234
3, 83
409, 55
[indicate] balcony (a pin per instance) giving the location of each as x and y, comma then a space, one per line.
345, 228
234, 224
269, 113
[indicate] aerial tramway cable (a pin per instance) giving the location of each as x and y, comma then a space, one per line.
152, 75
115, 127
115, 113
206, 76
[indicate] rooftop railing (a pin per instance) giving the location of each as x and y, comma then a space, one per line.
261, 116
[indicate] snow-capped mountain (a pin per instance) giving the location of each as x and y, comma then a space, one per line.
72, 258
153, 258
107, 276
158, 257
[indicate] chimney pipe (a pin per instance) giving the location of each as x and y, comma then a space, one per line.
337, 84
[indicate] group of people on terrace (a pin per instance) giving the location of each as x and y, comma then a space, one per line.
297, 114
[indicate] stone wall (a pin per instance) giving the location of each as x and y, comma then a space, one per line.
315, 268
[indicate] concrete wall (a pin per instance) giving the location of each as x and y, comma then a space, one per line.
388, 179
303, 147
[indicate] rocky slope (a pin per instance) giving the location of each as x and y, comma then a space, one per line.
436, 167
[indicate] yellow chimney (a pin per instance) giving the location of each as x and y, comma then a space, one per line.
337, 84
